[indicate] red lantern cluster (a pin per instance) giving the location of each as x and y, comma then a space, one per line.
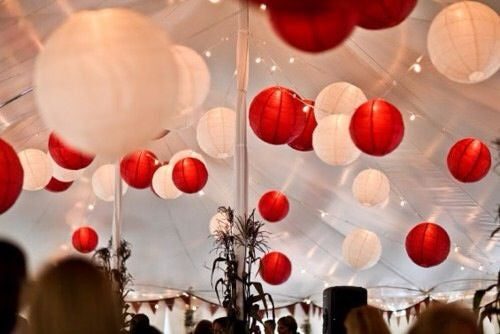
469, 160
377, 127
381, 14
427, 244
11, 176
67, 156
273, 206
189, 175
137, 168
57, 186
85, 239
275, 268
304, 141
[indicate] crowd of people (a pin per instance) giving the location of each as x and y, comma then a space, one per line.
73, 296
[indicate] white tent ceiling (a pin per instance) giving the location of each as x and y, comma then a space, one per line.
170, 240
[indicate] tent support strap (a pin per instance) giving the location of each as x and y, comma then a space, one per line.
117, 217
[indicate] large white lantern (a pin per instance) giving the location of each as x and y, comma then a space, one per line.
464, 42
216, 132
219, 223
361, 249
106, 81
103, 183
63, 174
338, 98
371, 187
185, 154
163, 185
332, 141
37, 169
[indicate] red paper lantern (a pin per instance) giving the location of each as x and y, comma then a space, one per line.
304, 141
427, 244
11, 176
275, 268
85, 239
276, 115
273, 206
381, 14
469, 160
377, 127
57, 186
189, 175
137, 168
67, 156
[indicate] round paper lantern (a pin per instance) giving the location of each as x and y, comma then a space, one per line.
163, 185
469, 160
361, 249
274, 206
137, 168
57, 186
332, 143
85, 239
377, 127
338, 98
185, 154
381, 14
216, 132
427, 244
276, 115
304, 141
63, 174
66, 156
100, 75
103, 183
371, 187
189, 175
463, 42
11, 176
219, 223
275, 268
37, 169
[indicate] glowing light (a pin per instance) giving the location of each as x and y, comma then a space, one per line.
274, 68
258, 60
214, 1
91, 207
480, 268
208, 54
291, 60
303, 271
263, 6
417, 68
412, 117
305, 109
201, 193
462, 268
402, 203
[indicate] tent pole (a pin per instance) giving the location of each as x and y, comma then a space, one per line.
117, 217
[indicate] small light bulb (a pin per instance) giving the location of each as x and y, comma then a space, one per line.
274, 68
208, 54
91, 207
456, 249
263, 6
303, 271
325, 284
157, 306
323, 214
305, 109
258, 60
201, 193
291, 60
402, 203
462, 268
214, 1
417, 68
480, 268
412, 117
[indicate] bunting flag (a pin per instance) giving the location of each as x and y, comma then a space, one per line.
389, 315
153, 305
398, 321
408, 313
291, 309
417, 309
186, 299
136, 306
170, 303
213, 308
305, 307
314, 309
427, 301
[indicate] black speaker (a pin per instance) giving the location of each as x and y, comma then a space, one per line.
337, 302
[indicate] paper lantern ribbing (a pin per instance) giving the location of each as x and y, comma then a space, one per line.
85, 239
103, 183
215, 132
163, 185
427, 244
274, 206
185, 154
276, 115
63, 174
66, 156
37, 169
377, 127
275, 268
381, 14
11, 176
189, 175
338, 98
304, 141
463, 42
57, 186
332, 143
97, 109
361, 249
219, 223
137, 168
469, 160
371, 187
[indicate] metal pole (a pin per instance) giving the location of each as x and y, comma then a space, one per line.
117, 217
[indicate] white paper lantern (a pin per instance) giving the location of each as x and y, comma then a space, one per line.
37, 169
163, 185
184, 154
219, 222
106, 81
464, 42
332, 141
371, 187
361, 249
216, 132
63, 174
338, 98
103, 183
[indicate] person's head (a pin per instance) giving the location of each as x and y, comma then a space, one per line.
287, 325
365, 320
269, 326
445, 319
139, 324
203, 327
220, 325
74, 297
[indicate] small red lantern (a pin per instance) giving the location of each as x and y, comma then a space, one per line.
273, 206
427, 244
377, 127
137, 168
275, 268
189, 175
11, 176
85, 239
57, 186
304, 141
276, 115
381, 14
66, 156
469, 160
